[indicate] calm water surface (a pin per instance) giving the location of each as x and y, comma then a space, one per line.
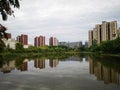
73, 73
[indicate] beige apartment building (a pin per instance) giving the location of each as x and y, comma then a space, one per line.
103, 32
118, 32
90, 37
98, 33
109, 30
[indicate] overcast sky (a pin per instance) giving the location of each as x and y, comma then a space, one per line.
68, 20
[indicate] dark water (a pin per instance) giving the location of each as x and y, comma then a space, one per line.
72, 73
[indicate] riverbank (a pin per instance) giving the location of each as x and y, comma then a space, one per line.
55, 54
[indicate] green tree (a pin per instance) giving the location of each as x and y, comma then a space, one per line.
112, 46
5, 7
82, 48
5, 10
1, 46
94, 47
19, 47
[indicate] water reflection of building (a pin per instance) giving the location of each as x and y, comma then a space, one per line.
24, 66
53, 63
107, 74
39, 64
8, 67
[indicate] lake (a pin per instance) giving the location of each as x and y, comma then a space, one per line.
76, 72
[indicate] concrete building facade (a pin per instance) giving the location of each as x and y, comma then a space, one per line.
118, 32
36, 41
53, 41
103, 32
23, 39
71, 44
39, 41
109, 30
10, 42
90, 37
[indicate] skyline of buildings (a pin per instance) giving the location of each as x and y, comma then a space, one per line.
103, 32
41, 41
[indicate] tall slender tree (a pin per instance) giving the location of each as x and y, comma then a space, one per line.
5, 10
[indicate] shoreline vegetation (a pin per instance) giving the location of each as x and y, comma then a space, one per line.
106, 48
39, 51
109, 47
55, 55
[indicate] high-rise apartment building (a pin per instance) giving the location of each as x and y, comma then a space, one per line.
118, 32
53, 41
109, 30
113, 30
23, 39
99, 33
36, 41
39, 41
90, 37
18, 39
103, 32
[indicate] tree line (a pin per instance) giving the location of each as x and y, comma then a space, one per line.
109, 46
19, 48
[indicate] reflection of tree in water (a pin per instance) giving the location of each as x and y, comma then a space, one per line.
22, 64
1, 61
6, 65
77, 58
105, 69
3, 35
